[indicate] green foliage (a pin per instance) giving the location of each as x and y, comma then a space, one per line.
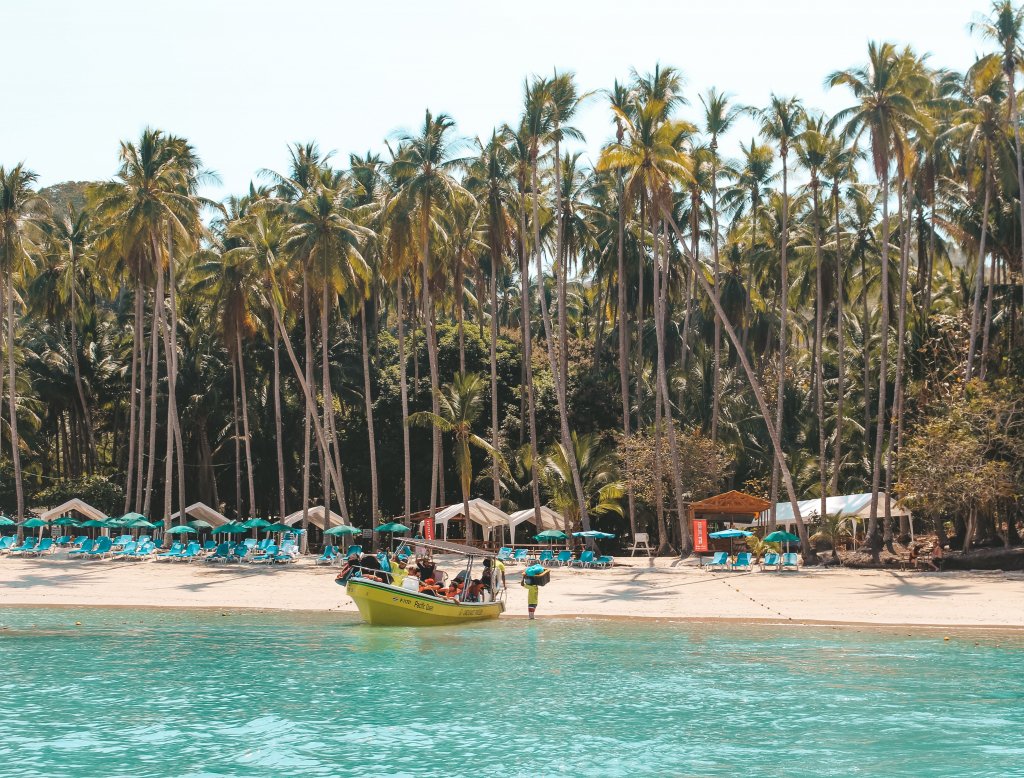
100, 491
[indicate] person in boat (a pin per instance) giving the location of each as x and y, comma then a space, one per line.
430, 586
493, 576
370, 568
475, 592
398, 570
411, 581
350, 568
426, 568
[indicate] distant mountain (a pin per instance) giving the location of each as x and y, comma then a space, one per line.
67, 192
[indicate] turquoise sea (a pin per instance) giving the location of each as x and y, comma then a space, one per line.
206, 693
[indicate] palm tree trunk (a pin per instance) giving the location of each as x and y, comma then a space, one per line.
130, 464
245, 423
639, 369
560, 272
563, 417
278, 436
840, 367
883, 360
86, 415
165, 337
623, 317
717, 386
819, 373
979, 276
310, 405
783, 309
987, 328
153, 376
1012, 107
404, 390
140, 334
524, 279
755, 387
748, 304
435, 383
659, 499
12, 399
368, 401
460, 312
237, 438
495, 478
173, 396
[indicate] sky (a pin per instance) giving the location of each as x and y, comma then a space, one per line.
243, 79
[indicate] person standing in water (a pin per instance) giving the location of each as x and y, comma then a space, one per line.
532, 594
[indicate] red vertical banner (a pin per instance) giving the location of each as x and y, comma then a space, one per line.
700, 535
428, 528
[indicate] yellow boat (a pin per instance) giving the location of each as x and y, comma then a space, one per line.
389, 605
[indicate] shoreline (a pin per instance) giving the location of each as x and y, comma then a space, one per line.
657, 590
756, 622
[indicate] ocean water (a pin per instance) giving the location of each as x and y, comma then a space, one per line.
206, 693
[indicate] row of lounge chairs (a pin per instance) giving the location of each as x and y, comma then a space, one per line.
31, 546
547, 557
745, 561
125, 547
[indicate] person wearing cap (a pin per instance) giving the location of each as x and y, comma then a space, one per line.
398, 570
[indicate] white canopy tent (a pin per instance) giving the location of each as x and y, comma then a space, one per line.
480, 512
316, 516
855, 507
79, 506
200, 510
549, 519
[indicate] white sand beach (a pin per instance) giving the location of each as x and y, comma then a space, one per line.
634, 588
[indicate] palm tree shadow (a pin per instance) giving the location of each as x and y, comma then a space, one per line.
911, 586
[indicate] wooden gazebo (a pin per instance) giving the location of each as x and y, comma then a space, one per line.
732, 507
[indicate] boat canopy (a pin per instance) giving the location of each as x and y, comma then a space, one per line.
450, 548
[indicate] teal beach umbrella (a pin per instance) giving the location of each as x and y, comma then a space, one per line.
229, 529
343, 529
593, 533
257, 523
65, 521
33, 523
550, 534
393, 527
140, 523
780, 536
6, 521
199, 524
182, 529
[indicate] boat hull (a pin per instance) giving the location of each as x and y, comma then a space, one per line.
386, 605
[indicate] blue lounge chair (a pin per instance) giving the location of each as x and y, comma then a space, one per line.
547, 557
586, 560
85, 548
771, 559
121, 541
209, 545
504, 554
603, 561
742, 562
355, 550
239, 552
101, 549
330, 552
26, 545
519, 556
221, 553
127, 551
143, 539
63, 540
143, 550
192, 550
266, 557
77, 542
45, 546
563, 558
6, 543
719, 560
790, 561
250, 542
174, 551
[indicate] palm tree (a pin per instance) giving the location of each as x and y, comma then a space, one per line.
603, 490
718, 119
540, 124
425, 173
887, 114
780, 123
461, 404
833, 528
1005, 27
490, 179
812, 149
20, 210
